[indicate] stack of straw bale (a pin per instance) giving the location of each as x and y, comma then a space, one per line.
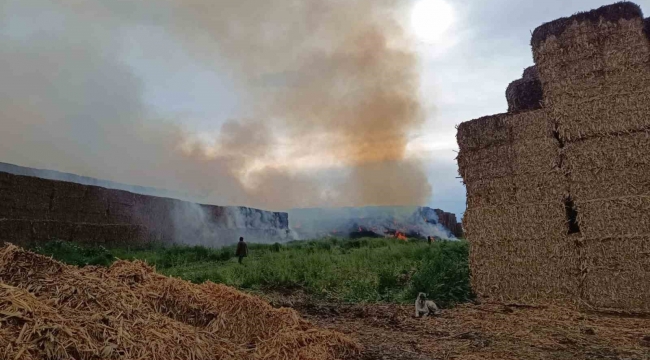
515, 218
595, 70
54, 311
559, 197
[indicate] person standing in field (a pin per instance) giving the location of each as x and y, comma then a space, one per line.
242, 250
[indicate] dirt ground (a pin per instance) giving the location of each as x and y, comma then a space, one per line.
486, 331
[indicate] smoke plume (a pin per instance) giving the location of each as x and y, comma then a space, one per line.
327, 97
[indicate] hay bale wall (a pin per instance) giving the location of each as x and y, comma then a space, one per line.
33, 210
515, 218
583, 156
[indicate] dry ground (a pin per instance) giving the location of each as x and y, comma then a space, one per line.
487, 331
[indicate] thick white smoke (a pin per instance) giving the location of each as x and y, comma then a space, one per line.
326, 96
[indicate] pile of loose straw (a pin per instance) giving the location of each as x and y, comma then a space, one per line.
49, 310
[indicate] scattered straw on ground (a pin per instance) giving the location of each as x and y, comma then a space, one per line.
487, 332
49, 310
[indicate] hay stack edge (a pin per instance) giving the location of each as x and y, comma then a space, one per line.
49, 310
558, 188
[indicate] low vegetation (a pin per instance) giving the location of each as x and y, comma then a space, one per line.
359, 270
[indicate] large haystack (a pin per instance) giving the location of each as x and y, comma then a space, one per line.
49, 310
558, 197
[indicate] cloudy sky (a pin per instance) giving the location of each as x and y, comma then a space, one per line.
286, 104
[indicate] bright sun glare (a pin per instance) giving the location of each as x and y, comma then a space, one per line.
430, 20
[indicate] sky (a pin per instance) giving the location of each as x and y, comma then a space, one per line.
335, 103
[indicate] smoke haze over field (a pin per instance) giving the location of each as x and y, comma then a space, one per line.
323, 97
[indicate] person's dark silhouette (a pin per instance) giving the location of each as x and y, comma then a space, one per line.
242, 250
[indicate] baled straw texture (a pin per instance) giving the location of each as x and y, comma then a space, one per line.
595, 78
529, 125
609, 152
536, 221
590, 141
614, 216
517, 158
487, 163
526, 93
617, 272
588, 185
608, 167
525, 146
482, 132
95, 313
526, 270
535, 156
609, 13
550, 187
504, 129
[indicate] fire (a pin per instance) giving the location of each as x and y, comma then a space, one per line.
400, 236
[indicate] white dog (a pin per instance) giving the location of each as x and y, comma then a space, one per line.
424, 307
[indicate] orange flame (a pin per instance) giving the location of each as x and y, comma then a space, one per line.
400, 236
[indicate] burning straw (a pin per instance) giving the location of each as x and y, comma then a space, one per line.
51, 310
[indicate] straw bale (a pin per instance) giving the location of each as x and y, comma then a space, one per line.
607, 167
6, 210
526, 93
95, 200
580, 39
609, 13
15, 230
603, 113
64, 189
32, 202
617, 272
6, 180
531, 221
48, 230
486, 163
482, 132
530, 125
529, 271
550, 187
535, 156
491, 192
542, 188
114, 234
619, 152
595, 77
614, 216
596, 184
531, 149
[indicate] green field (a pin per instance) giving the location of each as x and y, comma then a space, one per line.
360, 270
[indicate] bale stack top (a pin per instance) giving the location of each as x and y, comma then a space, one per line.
557, 188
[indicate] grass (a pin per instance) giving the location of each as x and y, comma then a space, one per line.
359, 270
